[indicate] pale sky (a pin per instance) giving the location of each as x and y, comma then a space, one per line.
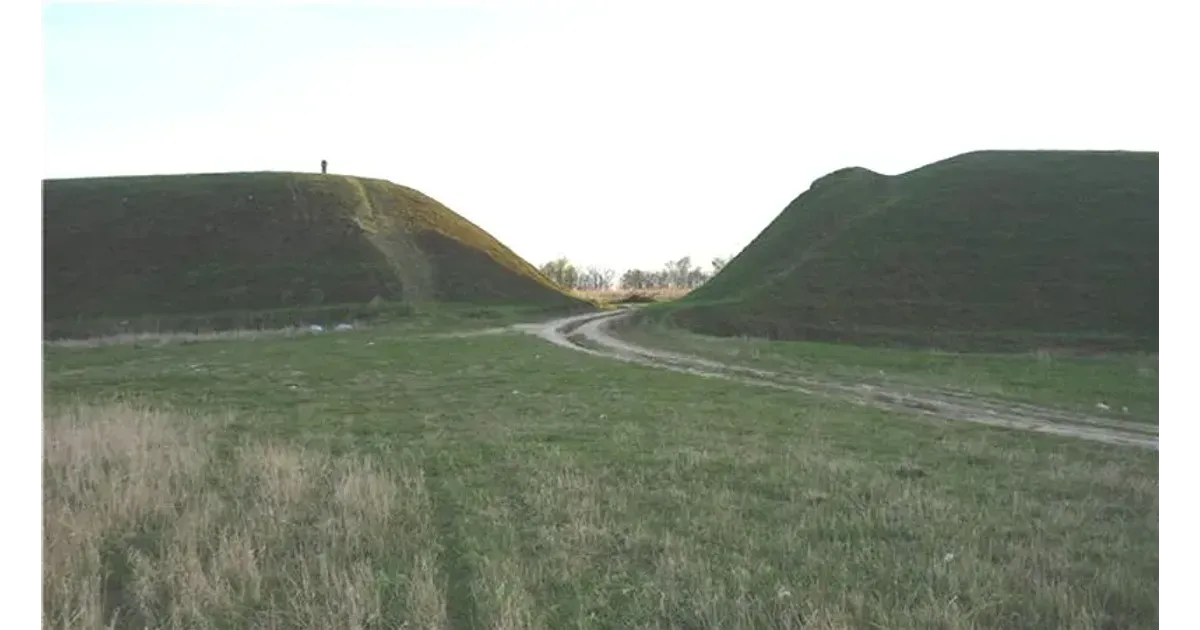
613, 134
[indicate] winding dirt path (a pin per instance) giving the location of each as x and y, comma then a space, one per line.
590, 333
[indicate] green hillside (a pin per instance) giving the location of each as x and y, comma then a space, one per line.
987, 250
244, 242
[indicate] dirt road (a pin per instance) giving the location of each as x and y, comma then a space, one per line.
590, 333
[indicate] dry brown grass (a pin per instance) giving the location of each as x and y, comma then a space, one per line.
151, 522
615, 295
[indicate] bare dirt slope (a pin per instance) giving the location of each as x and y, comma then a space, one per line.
590, 333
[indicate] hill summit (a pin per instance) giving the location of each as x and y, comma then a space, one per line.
186, 244
991, 249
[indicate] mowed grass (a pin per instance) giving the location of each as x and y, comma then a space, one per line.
376, 479
1123, 385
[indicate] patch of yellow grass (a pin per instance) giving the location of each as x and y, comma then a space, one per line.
614, 295
148, 523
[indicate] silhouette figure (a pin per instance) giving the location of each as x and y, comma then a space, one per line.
324, 164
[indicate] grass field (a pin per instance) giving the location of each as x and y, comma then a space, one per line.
437, 319
385, 477
991, 250
171, 250
1119, 385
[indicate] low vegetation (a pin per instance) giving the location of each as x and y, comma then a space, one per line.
676, 276
149, 522
633, 296
1121, 386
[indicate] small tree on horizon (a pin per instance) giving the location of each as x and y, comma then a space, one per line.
562, 272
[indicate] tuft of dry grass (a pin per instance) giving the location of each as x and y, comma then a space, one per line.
149, 521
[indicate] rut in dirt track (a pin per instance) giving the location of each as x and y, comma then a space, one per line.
591, 334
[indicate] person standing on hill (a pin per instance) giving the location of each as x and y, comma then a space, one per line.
324, 164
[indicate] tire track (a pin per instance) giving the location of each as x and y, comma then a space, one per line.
590, 334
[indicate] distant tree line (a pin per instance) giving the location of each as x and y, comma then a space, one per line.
675, 274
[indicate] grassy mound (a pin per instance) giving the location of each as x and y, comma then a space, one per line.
266, 242
987, 250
